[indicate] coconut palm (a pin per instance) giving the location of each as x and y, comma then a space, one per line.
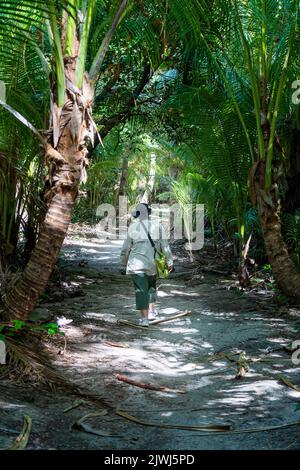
71, 40
252, 61
268, 36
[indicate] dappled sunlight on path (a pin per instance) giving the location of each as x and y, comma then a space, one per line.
185, 355
197, 356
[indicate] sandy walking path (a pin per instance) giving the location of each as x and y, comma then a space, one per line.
188, 355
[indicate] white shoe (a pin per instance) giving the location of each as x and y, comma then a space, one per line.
144, 322
152, 314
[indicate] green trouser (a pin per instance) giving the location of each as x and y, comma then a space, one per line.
145, 290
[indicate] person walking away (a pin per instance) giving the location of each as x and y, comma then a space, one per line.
137, 260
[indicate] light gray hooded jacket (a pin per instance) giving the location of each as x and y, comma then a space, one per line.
137, 254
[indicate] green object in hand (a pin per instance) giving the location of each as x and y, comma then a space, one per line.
161, 265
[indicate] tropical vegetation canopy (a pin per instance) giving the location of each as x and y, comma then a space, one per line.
161, 101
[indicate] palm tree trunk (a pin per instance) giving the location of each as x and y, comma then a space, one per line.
124, 176
66, 155
123, 179
286, 275
23, 297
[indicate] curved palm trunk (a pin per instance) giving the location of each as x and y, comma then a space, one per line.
71, 129
66, 155
285, 273
22, 298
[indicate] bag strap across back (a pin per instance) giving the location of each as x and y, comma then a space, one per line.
149, 237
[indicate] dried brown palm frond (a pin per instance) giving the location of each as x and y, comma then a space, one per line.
28, 363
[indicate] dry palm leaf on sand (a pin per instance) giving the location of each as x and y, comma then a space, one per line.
79, 425
21, 441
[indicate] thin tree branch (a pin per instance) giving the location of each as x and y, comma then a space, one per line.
123, 115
